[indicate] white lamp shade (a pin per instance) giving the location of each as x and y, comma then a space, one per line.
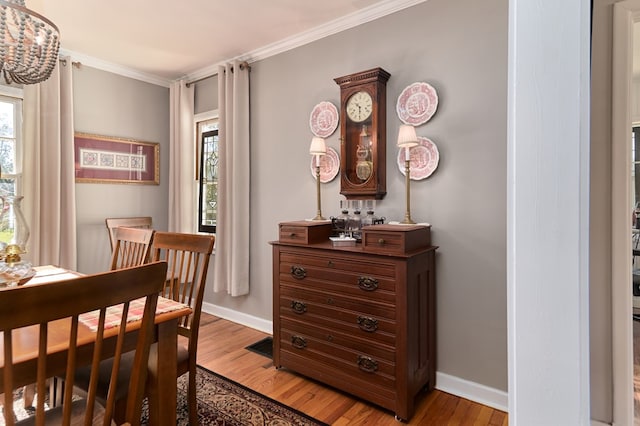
318, 147
407, 136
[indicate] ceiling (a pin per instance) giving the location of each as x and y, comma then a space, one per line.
169, 40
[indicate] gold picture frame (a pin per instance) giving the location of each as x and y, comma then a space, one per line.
107, 159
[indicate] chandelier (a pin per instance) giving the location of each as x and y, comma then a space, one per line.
29, 44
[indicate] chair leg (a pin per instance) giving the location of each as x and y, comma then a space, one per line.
191, 395
152, 397
28, 393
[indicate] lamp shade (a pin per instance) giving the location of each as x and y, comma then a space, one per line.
407, 136
318, 147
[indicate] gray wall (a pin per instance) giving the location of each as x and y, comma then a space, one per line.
461, 49
458, 47
112, 105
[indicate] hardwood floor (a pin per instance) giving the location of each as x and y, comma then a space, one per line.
221, 349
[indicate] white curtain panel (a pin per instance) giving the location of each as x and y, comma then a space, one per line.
182, 159
231, 260
49, 201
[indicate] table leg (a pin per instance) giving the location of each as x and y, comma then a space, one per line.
163, 387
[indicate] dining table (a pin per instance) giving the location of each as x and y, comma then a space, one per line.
25, 343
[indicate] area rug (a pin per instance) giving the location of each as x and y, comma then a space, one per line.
223, 402
263, 347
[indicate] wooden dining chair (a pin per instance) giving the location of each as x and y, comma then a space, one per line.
112, 223
71, 314
131, 248
187, 256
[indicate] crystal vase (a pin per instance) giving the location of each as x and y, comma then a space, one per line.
14, 231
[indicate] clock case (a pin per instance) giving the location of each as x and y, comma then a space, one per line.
352, 184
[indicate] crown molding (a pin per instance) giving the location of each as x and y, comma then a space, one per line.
114, 68
346, 22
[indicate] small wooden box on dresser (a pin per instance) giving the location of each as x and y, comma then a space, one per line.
362, 318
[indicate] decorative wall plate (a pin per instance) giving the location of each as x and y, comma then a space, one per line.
417, 103
324, 119
424, 159
329, 165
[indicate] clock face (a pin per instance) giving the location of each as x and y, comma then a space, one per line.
359, 106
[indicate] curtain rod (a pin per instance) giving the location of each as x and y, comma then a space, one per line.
74, 63
243, 65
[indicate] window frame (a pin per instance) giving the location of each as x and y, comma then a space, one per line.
199, 121
15, 96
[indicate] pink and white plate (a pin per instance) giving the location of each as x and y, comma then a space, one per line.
329, 165
424, 159
324, 119
417, 103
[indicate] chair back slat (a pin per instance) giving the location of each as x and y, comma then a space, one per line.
112, 223
64, 312
132, 247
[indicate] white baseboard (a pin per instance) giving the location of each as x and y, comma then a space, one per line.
454, 385
238, 317
475, 392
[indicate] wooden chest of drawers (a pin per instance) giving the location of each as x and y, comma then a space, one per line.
359, 321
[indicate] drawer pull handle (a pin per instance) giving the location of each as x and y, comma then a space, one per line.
330, 264
367, 364
298, 272
292, 234
330, 338
330, 301
367, 283
298, 307
381, 242
368, 324
298, 342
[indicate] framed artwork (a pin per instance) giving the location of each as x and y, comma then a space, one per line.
105, 159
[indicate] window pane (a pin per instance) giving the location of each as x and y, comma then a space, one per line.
7, 120
8, 155
209, 180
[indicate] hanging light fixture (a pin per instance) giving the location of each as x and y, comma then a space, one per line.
29, 44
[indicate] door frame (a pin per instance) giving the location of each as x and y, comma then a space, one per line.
626, 13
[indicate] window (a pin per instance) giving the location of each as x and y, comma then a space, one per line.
11, 144
208, 194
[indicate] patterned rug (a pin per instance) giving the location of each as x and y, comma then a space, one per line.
223, 402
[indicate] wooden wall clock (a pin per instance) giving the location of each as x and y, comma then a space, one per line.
363, 131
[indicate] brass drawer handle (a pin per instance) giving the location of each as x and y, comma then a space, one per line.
367, 283
298, 272
381, 242
298, 307
367, 364
298, 342
368, 324
292, 234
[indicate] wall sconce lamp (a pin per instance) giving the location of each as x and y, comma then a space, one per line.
318, 148
406, 139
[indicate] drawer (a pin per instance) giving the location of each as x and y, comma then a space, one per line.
365, 287
348, 264
374, 325
337, 344
360, 385
395, 239
305, 232
358, 364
